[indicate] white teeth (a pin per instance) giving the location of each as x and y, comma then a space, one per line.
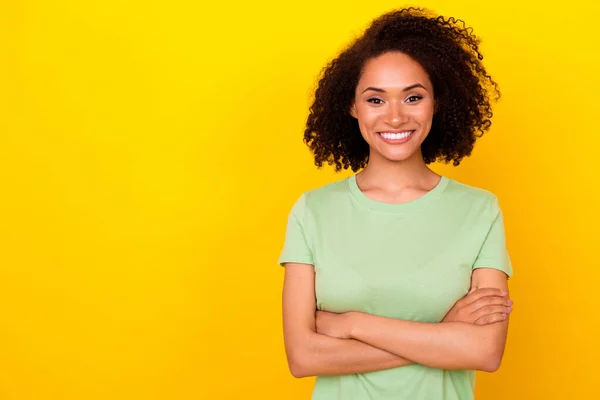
396, 136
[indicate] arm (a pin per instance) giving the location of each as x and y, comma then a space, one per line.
310, 353
447, 345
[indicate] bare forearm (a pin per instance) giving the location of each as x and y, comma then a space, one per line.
448, 345
323, 355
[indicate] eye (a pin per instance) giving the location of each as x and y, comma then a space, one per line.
414, 98
375, 100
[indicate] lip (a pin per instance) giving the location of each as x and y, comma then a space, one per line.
397, 141
397, 130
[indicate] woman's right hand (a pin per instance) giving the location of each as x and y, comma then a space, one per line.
481, 307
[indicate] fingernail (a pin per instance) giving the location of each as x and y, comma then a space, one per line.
503, 293
503, 315
509, 309
510, 303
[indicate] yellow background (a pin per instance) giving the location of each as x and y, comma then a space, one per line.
150, 152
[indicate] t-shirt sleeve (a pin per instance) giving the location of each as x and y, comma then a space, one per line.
295, 247
493, 252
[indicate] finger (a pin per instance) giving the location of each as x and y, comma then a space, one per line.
491, 319
488, 301
463, 302
490, 310
479, 293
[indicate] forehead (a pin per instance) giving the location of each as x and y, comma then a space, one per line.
393, 69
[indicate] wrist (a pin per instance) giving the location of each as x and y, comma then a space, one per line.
352, 324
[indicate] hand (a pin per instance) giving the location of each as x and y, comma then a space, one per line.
334, 325
481, 307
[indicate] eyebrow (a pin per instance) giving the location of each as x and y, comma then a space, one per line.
376, 89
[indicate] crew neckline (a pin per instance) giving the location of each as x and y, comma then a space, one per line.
395, 208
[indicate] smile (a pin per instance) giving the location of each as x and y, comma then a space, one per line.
396, 135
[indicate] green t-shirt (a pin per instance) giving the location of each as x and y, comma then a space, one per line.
410, 261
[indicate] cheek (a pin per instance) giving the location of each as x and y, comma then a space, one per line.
368, 115
424, 115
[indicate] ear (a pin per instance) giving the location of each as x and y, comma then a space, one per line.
353, 110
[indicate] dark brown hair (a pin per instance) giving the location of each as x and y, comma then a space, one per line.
446, 49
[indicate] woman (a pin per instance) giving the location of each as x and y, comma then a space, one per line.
396, 277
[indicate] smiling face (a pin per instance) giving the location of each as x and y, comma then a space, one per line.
394, 106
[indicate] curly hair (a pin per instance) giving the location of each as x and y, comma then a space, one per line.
448, 52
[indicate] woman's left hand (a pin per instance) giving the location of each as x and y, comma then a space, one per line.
334, 325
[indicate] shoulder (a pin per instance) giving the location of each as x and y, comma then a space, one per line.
327, 192
321, 197
476, 198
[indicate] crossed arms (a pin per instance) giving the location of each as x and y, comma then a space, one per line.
471, 336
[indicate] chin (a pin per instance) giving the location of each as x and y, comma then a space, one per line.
397, 159
397, 156
396, 152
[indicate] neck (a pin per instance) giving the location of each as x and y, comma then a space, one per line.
396, 175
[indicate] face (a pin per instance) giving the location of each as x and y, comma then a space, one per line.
394, 106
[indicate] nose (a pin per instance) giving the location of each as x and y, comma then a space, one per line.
396, 116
